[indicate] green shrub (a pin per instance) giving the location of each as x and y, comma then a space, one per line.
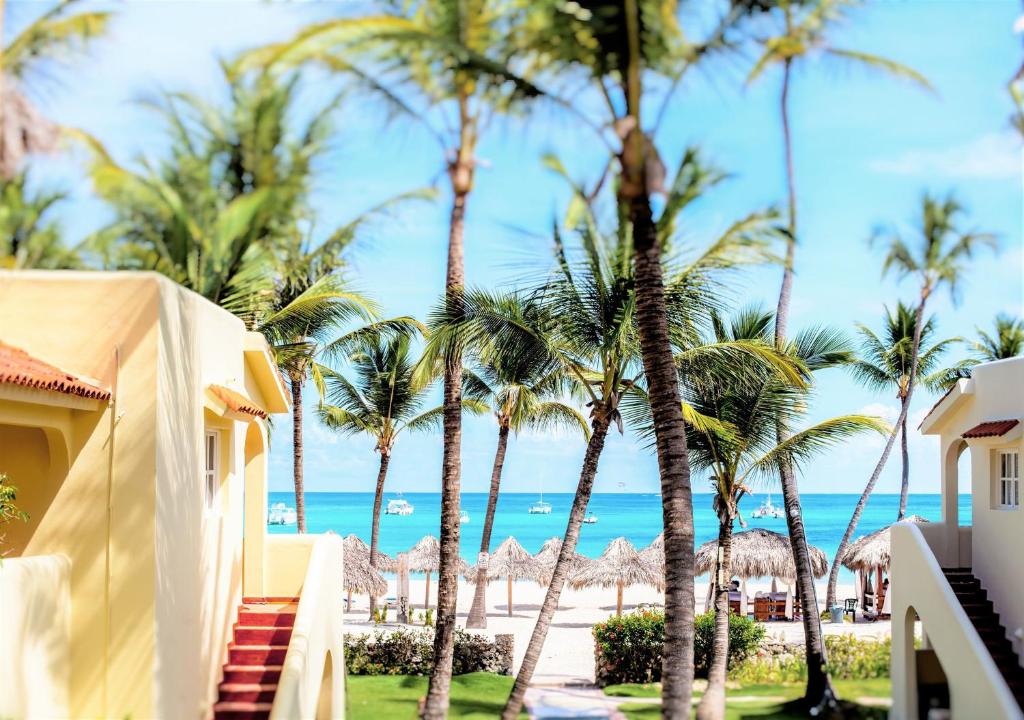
849, 658
628, 649
410, 652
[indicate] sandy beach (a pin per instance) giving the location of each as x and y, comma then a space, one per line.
568, 656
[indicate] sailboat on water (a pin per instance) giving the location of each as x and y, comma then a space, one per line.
769, 511
540, 507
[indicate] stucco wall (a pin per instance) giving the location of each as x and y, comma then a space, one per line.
287, 559
35, 596
156, 581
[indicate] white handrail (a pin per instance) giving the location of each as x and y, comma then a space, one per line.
312, 684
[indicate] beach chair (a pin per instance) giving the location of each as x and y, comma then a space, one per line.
850, 608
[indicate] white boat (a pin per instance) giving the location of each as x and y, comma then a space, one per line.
281, 514
540, 507
767, 510
463, 517
590, 519
398, 507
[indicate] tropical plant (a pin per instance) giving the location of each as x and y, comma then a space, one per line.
803, 29
30, 237
448, 65
9, 510
884, 365
936, 258
382, 401
1006, 340
26, 61
595, 334
523, 385
749, 401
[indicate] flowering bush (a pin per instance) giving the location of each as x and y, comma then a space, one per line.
629, 649
849, 658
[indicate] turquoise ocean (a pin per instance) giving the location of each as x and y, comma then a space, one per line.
634, 516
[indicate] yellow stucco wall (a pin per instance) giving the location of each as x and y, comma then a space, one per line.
156, 583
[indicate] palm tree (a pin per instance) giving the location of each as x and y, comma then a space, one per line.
884, 365
1006, 341
29, 236
448, 65
937, 259
748, 402
383, 401
523, 385
591, 305
803, 31
55, 35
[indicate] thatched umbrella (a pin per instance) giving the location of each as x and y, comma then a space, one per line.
619, 565
871, 554
425, 557
655, 552
385, 563
512, 562
547, 557
358, 575
758, 553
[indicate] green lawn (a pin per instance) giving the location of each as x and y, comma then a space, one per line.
384, 697
773, 706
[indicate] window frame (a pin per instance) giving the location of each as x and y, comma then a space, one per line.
1008, 479
211, 475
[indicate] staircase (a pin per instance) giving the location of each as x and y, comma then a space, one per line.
255, 657
985, 619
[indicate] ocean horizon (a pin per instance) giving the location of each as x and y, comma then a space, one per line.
635, 516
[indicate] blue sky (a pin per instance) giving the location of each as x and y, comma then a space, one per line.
866, 147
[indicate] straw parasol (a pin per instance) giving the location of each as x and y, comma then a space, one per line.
869, 554
758, 553
425, 557
385, 563
358, 575
620, 565
873, 551
655, 552
548, 557
512, 562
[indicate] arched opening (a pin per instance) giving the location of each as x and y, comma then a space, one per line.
929, 677
325, 703
255, 514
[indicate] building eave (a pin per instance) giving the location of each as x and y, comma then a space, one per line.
268, 378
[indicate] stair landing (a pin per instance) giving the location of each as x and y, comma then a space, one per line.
255, 657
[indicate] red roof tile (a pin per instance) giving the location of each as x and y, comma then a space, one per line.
994, 428
237, 402
17, 367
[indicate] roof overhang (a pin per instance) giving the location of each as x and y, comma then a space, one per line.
953, 398
232, 404
264, 370
50, 398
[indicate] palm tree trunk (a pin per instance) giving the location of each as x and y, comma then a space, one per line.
565, 557
833, 576
461, 174
786, 290
300, 496
712, 705
673, 463
378, 500
819, 691
478, 611
905, 486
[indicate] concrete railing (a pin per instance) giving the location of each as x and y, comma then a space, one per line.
312, 683
35, 636
920, 589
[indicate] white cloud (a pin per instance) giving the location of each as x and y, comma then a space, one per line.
993, 156
889, 413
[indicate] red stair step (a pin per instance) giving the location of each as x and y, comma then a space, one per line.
241, 710
256, 654
252, 673
246, 635
262, 618
247, 692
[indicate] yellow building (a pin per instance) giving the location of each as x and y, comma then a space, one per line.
133, 422
966, 582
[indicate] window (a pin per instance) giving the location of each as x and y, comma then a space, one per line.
212, 472
1009, 479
